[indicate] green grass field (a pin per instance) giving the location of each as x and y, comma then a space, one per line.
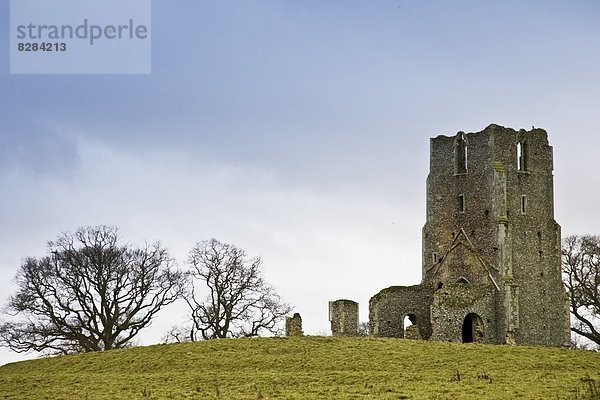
308, 368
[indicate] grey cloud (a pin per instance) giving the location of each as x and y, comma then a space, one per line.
35, 147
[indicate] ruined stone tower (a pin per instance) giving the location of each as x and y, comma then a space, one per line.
491, 247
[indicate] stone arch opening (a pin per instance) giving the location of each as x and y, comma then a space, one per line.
462, 279
411, 327
473, 329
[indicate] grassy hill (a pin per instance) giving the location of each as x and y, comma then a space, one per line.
308, 368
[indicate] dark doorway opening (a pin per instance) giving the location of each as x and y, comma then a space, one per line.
467, 329
472, 329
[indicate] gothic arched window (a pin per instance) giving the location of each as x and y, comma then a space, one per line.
460, 154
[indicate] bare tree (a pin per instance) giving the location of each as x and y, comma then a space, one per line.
177, 334
364, 329
89, 294
228, 296
581, 273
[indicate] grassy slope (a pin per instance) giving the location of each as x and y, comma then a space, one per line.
305, 368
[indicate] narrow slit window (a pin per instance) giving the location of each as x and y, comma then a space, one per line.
523, 204
461, 203
522, 156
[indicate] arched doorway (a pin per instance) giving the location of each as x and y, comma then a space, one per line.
472, 329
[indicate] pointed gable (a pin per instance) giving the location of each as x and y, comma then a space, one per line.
461, 263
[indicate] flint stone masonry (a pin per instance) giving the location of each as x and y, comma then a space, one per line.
293, 325
388, 309
491, 247
343, 315
454, 302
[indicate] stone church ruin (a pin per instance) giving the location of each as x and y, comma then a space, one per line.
491, 268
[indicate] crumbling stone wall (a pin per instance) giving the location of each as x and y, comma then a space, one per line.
412, 332
293, 325
388, 308
343, 315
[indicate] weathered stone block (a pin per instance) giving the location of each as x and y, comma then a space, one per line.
293, 325
343, 315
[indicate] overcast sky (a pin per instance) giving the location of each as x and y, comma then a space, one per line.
297, 130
